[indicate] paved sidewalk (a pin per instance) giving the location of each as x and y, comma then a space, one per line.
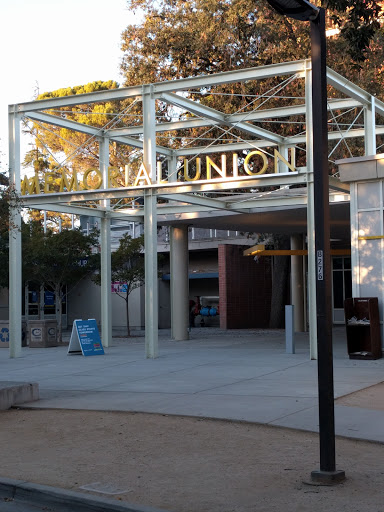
237, 374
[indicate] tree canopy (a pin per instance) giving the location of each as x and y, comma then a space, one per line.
179, 39
62, 149
58, 261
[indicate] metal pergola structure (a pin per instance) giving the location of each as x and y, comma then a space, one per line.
240, 132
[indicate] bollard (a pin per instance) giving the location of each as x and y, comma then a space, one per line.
289, 330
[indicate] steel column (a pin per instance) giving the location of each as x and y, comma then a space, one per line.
15, 268
312, 320
151, 277
105, 242
370, 128
297, 285
150, 227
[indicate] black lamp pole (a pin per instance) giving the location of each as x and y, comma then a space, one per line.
304, 11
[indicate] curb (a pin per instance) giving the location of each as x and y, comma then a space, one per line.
65, 500
14, 393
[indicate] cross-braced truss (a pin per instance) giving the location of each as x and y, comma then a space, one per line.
176, 125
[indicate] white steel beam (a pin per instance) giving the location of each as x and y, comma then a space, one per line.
78, 99
259, 73
370, 127
220, 118
220, 184
231, 147
312, 307
63, 123
135, 143
72, 210
195, 199
256, 115
336, 184
256, 144
90, 130
336, 135
352, 90
15, 269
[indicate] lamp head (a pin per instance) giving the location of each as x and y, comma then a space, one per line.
297, 9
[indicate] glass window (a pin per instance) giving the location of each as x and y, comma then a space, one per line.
348, 284
337, 263
338, 291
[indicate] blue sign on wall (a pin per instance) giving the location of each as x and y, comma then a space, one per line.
49, 298
85, 338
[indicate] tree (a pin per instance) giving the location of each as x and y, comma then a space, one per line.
59, 261
41, 162
127, 269
359, 23
80, 150
8, 199
179, 39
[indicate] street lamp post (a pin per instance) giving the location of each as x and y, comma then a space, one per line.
305, 11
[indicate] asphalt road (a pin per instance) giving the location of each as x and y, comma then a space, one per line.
18, 506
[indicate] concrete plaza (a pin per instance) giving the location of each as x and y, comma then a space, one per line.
237, 375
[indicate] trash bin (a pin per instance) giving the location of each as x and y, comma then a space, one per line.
4, 334
362, 321
42, 333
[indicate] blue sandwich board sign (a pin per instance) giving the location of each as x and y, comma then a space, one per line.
85, 338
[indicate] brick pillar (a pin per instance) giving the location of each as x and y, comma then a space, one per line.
245, 289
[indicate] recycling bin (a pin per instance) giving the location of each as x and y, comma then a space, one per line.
42, 333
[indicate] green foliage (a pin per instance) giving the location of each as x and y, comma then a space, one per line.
179, 39
8, 198
58, 258
62, 141
128, 262
359, 23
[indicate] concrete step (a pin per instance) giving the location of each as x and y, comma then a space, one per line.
14, 393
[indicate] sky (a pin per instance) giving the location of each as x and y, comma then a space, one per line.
51, 44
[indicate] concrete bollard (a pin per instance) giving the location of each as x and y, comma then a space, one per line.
289, 330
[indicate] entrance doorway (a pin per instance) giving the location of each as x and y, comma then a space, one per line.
341, 286
40, 298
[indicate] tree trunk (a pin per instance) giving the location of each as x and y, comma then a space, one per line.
127, 315
280, 271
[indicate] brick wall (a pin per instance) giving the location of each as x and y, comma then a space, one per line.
245, 289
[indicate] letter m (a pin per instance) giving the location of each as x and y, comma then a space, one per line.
30, 185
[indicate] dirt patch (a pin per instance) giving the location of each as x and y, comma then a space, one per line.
185, 464
368, 398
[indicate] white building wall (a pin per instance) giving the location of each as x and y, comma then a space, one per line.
84, 302
366, 178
